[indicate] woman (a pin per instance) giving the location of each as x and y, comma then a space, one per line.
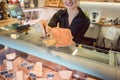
73, 18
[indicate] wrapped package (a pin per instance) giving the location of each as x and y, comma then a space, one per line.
38, 66
37, 73
37, 69
19, 75
17, 62
41, 78
10, 56
23, 65
9, 65
65, 74
28, 68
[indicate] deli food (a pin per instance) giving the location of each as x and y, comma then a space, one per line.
62, 36
49, 42
24, 69
11, 56
65, 74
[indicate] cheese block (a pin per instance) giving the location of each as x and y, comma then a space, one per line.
14, 36
65, 74
26, 77
38, 66
28, 68
38, 73
50, 76
22, 66
90, 78
41, 78
17, 62
49, 42
1, 78
10, 56
19, 75
37, 69
62, 36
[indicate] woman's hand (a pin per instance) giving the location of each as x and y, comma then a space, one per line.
47, 28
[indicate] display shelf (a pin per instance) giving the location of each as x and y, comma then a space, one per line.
88, 61
28, 64
62, 58
84, 60
54, 3
107, 25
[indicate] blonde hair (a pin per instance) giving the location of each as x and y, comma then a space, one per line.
78, 2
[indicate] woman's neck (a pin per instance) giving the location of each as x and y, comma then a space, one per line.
73, 11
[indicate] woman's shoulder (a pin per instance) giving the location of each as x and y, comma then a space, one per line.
61, 11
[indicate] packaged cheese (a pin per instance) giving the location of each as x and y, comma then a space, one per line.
9, 65
41, 78
38, 66
28, 68
65, 74
17, 62
37, 69
10, 56
37, 73
19, 75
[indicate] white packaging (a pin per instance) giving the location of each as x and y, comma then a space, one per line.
9, 65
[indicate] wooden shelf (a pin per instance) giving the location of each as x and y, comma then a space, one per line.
54, 3
104, 24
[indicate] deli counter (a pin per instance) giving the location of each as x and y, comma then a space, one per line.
92, 61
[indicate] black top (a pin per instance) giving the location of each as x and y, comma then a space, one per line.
78, 26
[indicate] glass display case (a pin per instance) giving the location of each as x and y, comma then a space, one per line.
30, 67
86, 59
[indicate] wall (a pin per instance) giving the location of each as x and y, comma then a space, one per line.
108, 10
47, 13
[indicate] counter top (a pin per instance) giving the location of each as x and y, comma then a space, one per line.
7, 22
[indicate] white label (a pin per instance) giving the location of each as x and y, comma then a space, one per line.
9, 65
